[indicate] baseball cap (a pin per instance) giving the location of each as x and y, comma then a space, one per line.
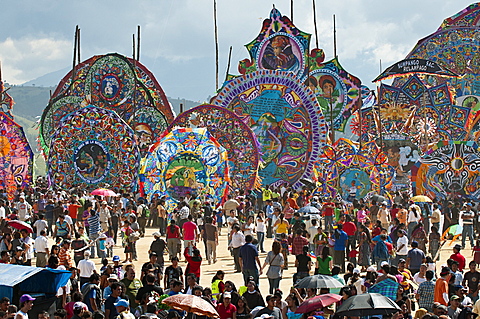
370, 269
122, 303
227, 295
401, 260
116, 258
80, 305
19, 248
384, 263
156, 234
454, 297
26, 297
153, 254
356, 271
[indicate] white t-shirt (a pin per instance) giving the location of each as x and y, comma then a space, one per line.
402, 241
260, 226
312, 231
40, 224
248, 229
41, 244
418, 279
86, 267
28, 252
2, 212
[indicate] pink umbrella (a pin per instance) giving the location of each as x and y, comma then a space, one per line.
103, 192
18, 224
317, 302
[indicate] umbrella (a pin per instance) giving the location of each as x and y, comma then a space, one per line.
319, 281
378, 198
103, 192
317, 302
18, 224
309, 210
191, 303
367, 304
421, 199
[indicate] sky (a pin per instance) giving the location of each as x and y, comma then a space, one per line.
177, 38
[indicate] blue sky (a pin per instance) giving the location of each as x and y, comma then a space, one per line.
177, 35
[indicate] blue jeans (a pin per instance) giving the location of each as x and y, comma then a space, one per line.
261, 240
467, 231
250, 272
274, 284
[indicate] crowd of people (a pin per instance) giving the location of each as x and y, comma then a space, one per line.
368, 246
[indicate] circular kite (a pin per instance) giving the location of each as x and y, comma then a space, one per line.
185, 161
286, 119
116, 83
233, 134
93, 147
450, 168
16, 156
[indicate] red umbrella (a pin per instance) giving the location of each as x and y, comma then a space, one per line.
103, 192
18, 224
317, 302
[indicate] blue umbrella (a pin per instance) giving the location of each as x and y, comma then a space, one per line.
309, 210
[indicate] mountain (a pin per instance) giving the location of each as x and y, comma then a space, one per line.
49, 79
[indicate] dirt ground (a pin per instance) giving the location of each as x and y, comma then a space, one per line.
225, 261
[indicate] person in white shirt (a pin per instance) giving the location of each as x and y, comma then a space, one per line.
237, 241
41, 248
311, 232
421, 276
28, 242
86, 267
402, 245
413, 218
23, 209
40, 224
104, 215
384, 215
2, 211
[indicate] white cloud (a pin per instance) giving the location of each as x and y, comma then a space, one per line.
27, 57
177, 36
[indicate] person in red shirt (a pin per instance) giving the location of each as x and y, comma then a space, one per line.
298, 242
226, 310
394, 211
194, 263
458, 257
328, 213
377, 229
350, 228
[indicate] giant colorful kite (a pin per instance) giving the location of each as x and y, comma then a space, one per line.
233, 134
454, 46
16, 156
451, 168
185, 161
337, 91
286, 119
346, 167
93, 147
116, 83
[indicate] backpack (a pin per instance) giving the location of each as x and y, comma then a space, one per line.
145, 211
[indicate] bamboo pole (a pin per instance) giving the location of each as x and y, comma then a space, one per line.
138, 43
315, 23
78, 46
291, 10
216, 41
334, 37
228, 64
133, 46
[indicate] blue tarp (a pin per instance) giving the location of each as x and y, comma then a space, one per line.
31, 279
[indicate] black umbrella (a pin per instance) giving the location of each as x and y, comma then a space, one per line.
367, 304
319, 281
